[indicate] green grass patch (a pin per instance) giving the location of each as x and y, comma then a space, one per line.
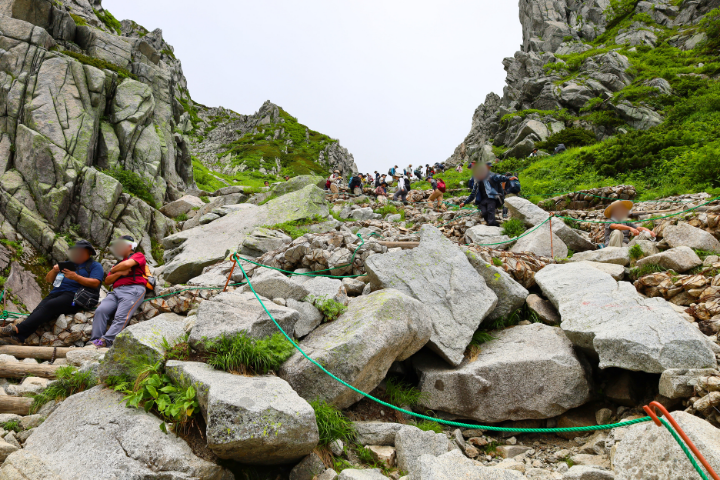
294, 229
703, 254
332, 424
178, 350
69, 381
513, 227
403, 394
109, 20
101, 64
247, 355
79, 21
636, 252
12, 426
647, 269
429, 426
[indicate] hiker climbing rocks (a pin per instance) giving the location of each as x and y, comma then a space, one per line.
439, 188
129, 279
487, 193
381, 193
81, 273
356, 184
402, 190
618, 234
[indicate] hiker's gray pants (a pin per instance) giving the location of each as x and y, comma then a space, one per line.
120, 305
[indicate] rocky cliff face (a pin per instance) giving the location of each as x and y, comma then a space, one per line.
83, 95
269, 141
572, 66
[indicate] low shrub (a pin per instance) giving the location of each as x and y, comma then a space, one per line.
181, 218
245, 355
636, 252
69, 382
133, 184
179, 350
157, 250
513, 227
570, 137
294, 229
153, 390
332, 424
330, 309
101, 64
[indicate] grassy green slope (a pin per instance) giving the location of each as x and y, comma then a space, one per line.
682, 155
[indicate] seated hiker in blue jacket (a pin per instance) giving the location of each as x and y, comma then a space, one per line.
487, 192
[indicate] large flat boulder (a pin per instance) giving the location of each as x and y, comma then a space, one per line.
253, 420
614, 255
438, 274
230, 313
189, 251
511, 295
685, 235
181, 206
127, 443
359, 347
679, 259
526, 372
635, 456
454, 465
539, 243
297, 183
612, 321
532, 215
142, 343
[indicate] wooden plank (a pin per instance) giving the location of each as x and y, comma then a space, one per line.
21, 370
405, 245
16, 405
40, 353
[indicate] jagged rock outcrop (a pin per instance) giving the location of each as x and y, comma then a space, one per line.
218, 129
65, 119
538, 79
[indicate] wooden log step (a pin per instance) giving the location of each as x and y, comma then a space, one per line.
22, 370
40, 353
16, 405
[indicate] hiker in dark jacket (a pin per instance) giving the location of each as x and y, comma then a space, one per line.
487, 193
84, 272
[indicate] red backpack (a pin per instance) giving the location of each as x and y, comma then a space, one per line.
441, 185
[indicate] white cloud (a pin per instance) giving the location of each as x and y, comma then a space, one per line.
395, 81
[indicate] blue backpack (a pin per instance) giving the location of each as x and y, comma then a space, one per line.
514, 187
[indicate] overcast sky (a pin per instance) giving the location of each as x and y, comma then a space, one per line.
396, 81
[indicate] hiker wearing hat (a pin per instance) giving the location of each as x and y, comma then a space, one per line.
618, 234
332, 182
356, 184
67, 278
129, 281
487, 193
381, 193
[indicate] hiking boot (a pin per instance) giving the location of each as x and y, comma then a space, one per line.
8, 330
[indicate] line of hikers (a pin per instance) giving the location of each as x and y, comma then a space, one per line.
76, 286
